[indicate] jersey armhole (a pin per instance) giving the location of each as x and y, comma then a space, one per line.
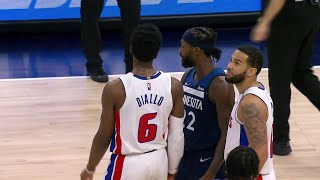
187, 75
125, 92
236, 116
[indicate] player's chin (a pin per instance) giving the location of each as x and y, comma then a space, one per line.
228, 78
185, 65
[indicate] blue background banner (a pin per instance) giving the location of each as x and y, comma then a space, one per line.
23, 10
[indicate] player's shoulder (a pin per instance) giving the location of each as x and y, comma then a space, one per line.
219, 86
185, 75
219, 81
114, 87
252, 101
176, 87
250, 98
175, 83
114, 93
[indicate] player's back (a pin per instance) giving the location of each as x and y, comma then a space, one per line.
142, 121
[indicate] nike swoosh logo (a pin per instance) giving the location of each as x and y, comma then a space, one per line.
203, 160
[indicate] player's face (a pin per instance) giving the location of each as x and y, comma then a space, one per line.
185, 54
237, 68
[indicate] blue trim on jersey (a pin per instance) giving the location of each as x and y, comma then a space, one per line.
190, 77
149, 77
113, 141
110, 167
191, 71
262, 88
207, 79
243, 137
215, 73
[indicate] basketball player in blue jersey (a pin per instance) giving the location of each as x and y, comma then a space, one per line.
208, 101
251, 120
138, 109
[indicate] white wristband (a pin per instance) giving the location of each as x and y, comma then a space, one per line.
89, 172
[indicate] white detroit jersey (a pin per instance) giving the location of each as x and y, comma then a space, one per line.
236, 135
142, 121
147, 166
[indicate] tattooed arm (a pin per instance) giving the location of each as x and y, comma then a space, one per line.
253, 113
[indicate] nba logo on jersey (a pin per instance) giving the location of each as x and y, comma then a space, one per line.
149, 86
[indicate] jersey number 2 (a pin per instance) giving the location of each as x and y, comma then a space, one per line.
147, 132
193, 119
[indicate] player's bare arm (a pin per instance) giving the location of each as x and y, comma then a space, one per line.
103, 136
175, 131
177, 98
222, 94
253, 113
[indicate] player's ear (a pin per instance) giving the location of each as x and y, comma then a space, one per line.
252, 72
197, 50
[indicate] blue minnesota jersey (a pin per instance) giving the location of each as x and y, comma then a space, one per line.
201, 128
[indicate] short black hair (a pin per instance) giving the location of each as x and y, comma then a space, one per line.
242, 163
145, 42
255, 58
208, 36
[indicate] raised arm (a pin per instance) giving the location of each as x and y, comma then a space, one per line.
253, 113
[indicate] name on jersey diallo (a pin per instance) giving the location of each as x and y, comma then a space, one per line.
192, 102
149, 99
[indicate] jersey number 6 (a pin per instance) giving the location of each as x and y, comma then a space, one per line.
147, 132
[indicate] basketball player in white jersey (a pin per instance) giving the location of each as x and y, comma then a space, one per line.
138, 109
251, 118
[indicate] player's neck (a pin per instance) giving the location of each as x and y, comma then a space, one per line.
244, 85
203, 69
144, 71
143, 68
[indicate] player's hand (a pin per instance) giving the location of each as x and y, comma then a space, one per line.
171, 176
260, 32
85, 175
